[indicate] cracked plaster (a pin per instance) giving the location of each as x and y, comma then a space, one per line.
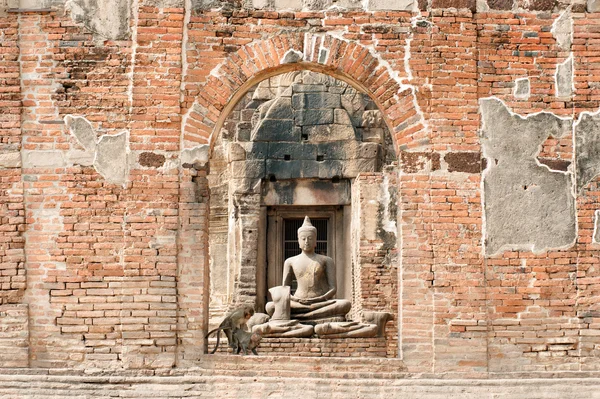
527, 205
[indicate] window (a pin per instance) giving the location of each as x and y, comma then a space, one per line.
282, 241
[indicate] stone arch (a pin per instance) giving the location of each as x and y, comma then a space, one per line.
348, 61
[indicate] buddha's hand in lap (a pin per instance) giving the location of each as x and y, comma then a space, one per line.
303, 301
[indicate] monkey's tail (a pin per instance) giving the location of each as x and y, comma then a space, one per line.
218, 331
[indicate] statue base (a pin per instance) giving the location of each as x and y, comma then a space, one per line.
324, 320
320, 347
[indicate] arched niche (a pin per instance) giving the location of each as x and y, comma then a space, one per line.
302, 143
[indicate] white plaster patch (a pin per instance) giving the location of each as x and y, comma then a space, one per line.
390, 5
544, 212
107, 19
389, 225
111, 157
482, 6
196, 154
522, 88
564, 84
395, 75
562, 30
596, 235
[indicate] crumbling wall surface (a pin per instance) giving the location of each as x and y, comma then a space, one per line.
375, 257
14, 336
101, 187
588, 190
532, 287
12, 213
108, 216
527, 205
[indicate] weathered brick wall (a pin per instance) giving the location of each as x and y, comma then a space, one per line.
117, 270
12, 215
317, 347
14, 336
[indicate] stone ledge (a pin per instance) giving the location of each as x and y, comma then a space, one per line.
198, 385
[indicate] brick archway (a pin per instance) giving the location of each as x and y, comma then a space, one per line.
348, 61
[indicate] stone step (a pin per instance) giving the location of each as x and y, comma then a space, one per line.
125, 384
331, 367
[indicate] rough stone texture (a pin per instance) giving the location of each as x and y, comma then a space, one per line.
593, 6
468, 162
344, 382
14, 336
126, 269
391, 5
111, 158
470, 4
522, 88
10, 160
500, 4
196, 155
413, 162
564, 78
43, 159
526, 205
151, 160
306, 193
587, 147
108, 19
542, 5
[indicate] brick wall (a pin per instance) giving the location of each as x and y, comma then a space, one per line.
14, 336
12, 215
117, 272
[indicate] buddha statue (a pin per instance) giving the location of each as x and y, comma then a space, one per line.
313, 301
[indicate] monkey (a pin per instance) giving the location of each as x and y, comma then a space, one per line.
246, 341
235, 320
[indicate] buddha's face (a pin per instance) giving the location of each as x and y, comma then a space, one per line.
307, 240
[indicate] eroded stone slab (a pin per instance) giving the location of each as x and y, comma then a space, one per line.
10, 160
43, 159
527, 206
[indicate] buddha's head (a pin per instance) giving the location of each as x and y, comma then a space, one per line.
307, 236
